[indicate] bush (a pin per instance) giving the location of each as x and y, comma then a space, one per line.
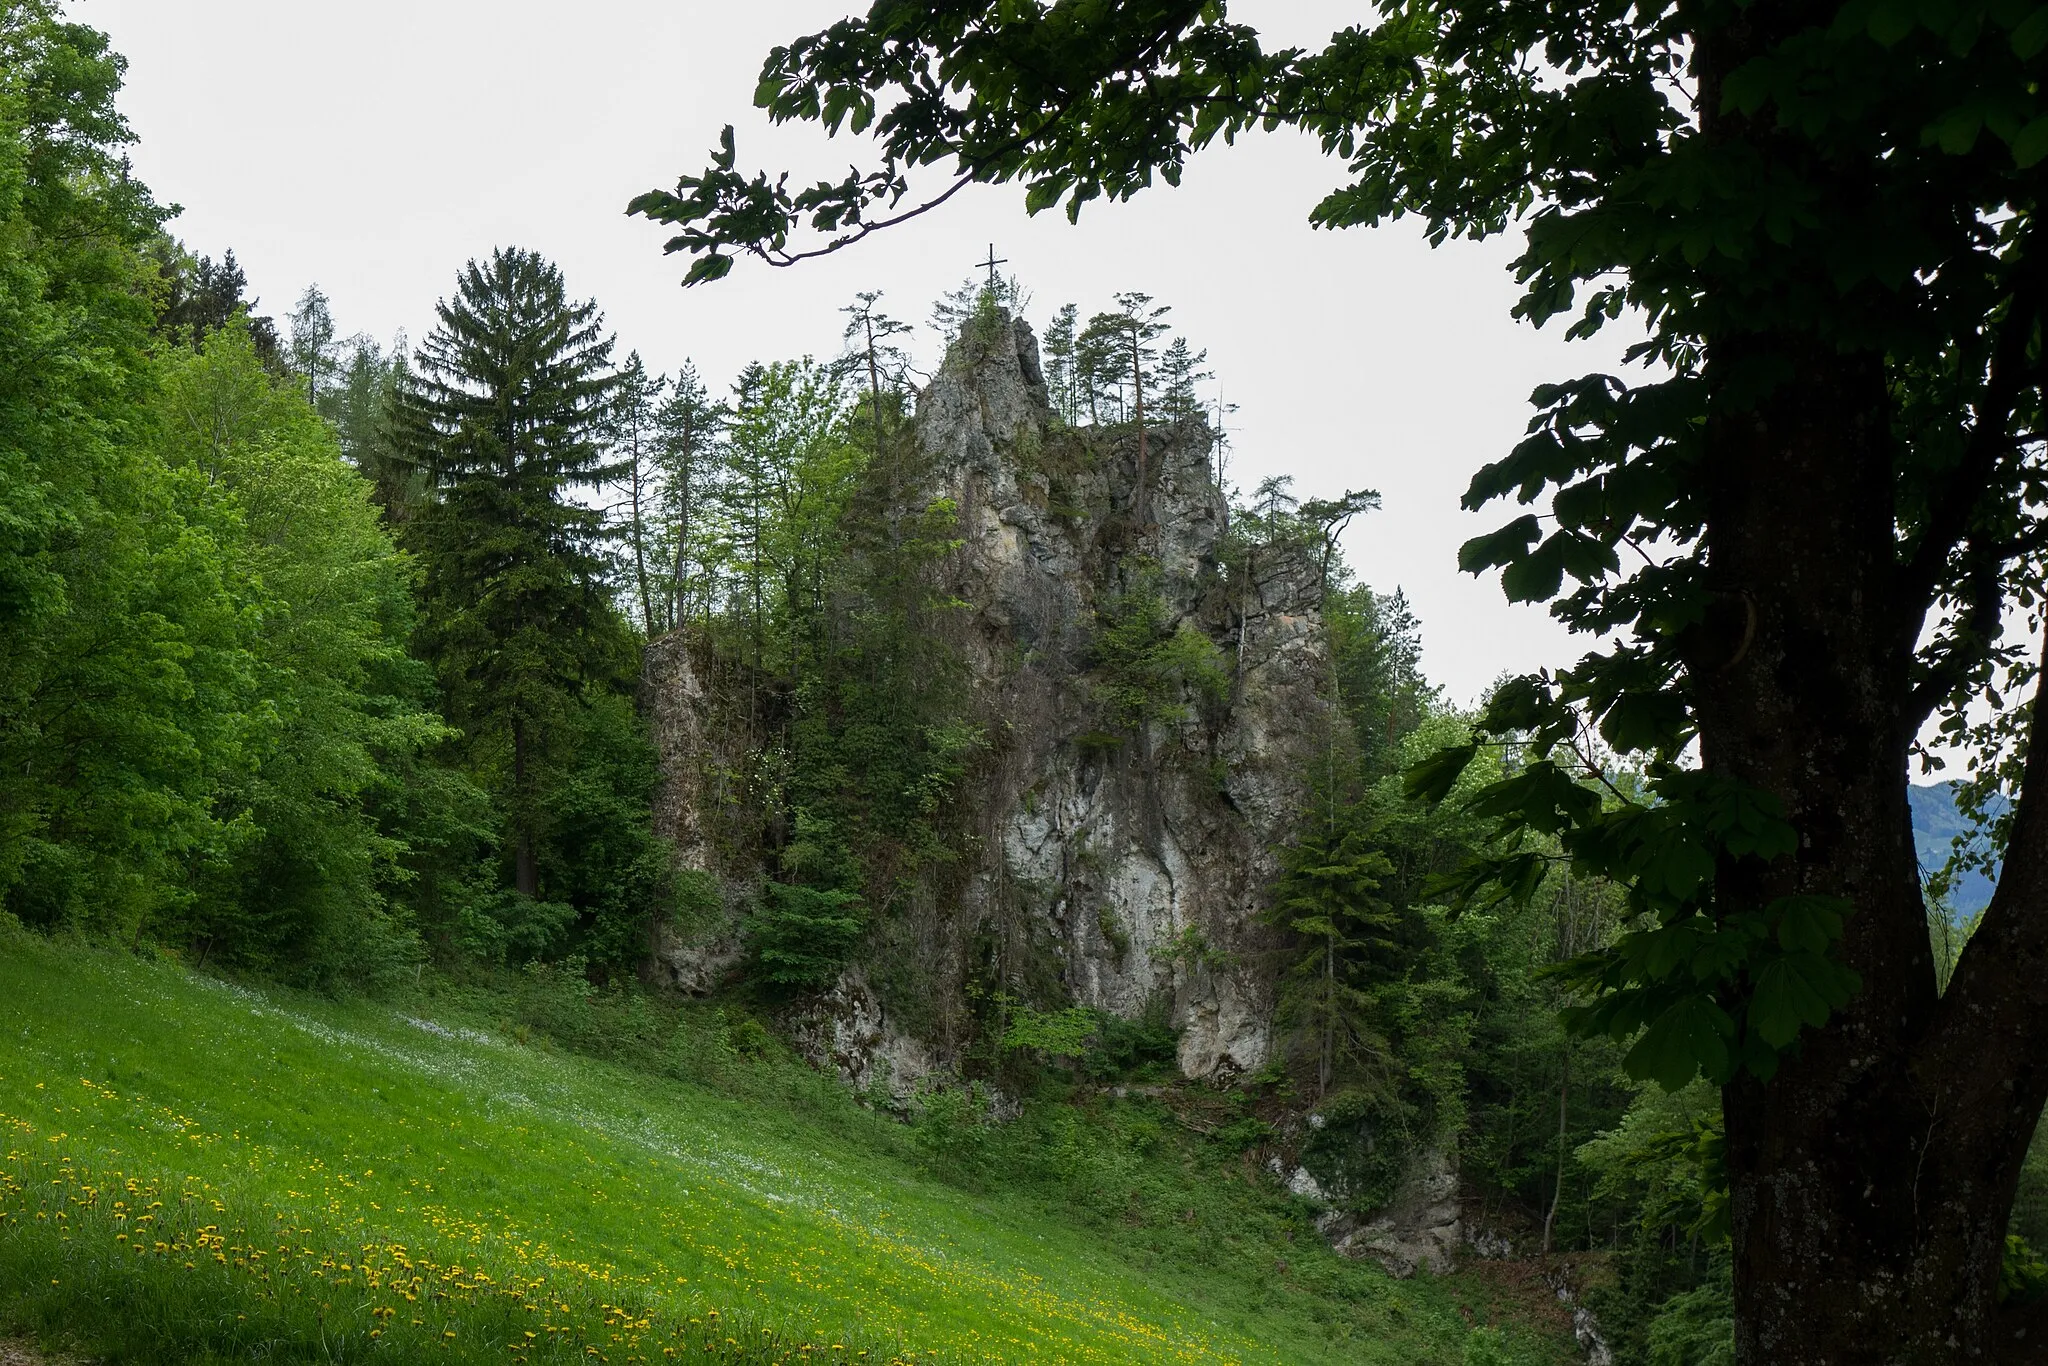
953, 1127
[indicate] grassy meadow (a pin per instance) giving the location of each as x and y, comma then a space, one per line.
197, 1171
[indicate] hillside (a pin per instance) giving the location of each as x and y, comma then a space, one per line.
1936, 824
301, 1179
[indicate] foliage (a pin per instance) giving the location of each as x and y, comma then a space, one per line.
1800, 535
509, 413
1146, 668
801, 936
302, 885
206, 695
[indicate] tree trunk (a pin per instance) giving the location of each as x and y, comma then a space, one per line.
640, 539
525, 874
1564, 1089
1870, 1181
1872, 1177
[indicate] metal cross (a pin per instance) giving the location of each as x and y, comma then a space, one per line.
992, 262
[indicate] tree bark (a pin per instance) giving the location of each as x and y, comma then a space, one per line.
1871, 1178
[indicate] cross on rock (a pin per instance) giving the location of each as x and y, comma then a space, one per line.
991, 263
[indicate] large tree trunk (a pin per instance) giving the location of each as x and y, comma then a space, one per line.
1870, 1190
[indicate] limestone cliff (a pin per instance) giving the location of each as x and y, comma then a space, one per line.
1118, 866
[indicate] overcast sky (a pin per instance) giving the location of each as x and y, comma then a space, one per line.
373, 147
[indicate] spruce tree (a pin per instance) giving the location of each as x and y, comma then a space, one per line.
510, 409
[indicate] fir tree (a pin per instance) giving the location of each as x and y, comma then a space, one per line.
510, 410
201, 296
1180, 370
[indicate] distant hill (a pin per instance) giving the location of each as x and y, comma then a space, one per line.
1936, 823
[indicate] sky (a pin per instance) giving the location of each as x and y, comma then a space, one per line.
373, 147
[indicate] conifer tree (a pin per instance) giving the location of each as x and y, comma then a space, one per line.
312, 341
201, 296
363, 406
1180, 370
689, 425
510, 410
1062, 379
869, 334
635, 434
1122, 345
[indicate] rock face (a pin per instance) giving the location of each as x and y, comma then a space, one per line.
1111, 863
1420, 1230
690, 744
1127, 865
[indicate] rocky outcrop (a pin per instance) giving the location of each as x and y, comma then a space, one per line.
1107, 863
1420, 1229
1126, 865
692, 744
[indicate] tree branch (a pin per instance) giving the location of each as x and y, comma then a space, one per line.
776, 257
1984, 1052
1953, 504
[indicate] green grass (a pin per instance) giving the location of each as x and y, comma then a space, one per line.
198, 1171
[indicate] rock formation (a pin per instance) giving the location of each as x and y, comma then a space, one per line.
1124, 867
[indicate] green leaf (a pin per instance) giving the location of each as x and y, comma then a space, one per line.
1809, 923
1689, 1038
1794, 991
1956, 131
1891, 21
2032, 34
1721, 955
1505, 546
2032, 143
1431, 779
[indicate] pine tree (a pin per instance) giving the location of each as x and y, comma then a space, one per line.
1062, 379
1180, 370
869, 334
1123, 345
510, 411
312, 341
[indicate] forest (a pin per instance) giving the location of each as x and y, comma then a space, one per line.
350, 675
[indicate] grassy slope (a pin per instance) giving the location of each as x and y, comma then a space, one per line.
523, 1196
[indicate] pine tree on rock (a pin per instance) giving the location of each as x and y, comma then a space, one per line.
1123, 346
511, 405
1180, 370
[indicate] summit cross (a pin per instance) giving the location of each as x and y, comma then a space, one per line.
991, 263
